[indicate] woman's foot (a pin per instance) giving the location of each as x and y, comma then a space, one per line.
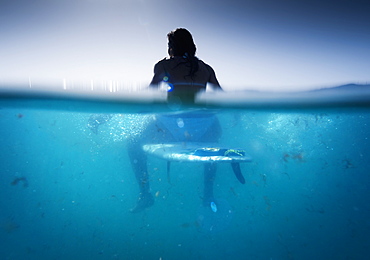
144, 201
207, 201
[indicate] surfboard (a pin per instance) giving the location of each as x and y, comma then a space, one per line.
200, 152
197, 152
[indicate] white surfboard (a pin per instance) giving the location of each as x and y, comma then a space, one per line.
197, 152
200, 152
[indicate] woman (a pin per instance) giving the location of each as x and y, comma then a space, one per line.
186, 76
184, 73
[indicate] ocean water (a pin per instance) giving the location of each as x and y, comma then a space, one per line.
66, 188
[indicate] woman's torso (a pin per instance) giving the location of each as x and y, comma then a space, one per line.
177, 71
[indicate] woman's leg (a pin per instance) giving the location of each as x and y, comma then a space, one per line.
155, 132
211, 136
209, 178
138, 161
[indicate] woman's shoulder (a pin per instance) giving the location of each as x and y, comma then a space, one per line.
160, 65
164, 60
206, 66
167, 62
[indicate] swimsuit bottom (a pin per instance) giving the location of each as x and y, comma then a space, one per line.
189, 126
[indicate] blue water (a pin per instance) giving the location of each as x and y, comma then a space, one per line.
65, 191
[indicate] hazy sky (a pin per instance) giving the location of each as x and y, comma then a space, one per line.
262, 44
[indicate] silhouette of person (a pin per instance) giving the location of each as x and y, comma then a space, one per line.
186, 76
184, 73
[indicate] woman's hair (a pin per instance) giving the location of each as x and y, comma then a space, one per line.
180, 42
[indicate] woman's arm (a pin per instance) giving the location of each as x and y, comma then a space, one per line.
213, 79
158, 75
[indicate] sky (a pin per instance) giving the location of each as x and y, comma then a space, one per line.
259, 45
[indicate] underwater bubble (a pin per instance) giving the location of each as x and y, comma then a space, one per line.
209, 220
180, 123
213, 207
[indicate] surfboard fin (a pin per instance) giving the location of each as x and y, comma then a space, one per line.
238, 172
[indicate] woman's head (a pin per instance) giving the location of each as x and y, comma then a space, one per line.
180, 43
